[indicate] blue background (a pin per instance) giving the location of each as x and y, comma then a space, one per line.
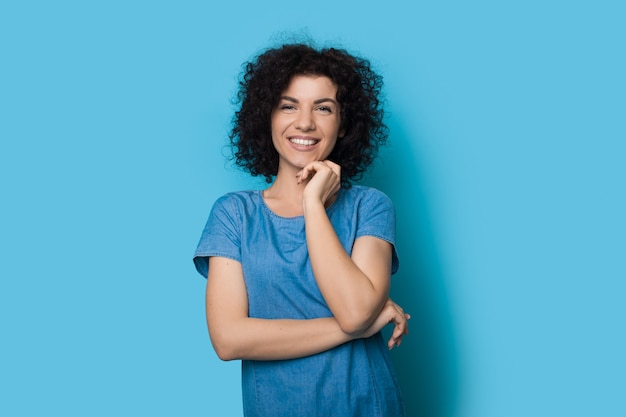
505, 162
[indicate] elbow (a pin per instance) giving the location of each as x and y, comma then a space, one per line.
356, 318
357, 321
354, 326
224, 354
224, 349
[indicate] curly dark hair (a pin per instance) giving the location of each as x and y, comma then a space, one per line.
269, 74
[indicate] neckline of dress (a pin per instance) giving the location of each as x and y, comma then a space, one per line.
259, 193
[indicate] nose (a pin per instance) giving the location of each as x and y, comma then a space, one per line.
305, 121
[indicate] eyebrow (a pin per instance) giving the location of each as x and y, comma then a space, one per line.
318, 101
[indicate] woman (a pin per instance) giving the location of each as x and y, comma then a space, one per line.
299, 273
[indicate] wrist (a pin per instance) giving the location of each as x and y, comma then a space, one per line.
312, 203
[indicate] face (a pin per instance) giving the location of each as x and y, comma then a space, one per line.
305, 124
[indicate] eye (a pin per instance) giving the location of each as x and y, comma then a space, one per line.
325, 109
287, 107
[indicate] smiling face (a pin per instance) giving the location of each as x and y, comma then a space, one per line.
305, 123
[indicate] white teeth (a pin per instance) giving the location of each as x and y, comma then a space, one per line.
304, 142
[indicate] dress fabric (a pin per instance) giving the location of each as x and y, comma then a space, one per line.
350, 380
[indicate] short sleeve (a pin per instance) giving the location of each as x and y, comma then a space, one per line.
377, 218
221, 235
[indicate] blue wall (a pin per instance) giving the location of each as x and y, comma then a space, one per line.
506, 164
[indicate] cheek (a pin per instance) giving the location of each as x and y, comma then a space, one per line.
279, 124
338, 131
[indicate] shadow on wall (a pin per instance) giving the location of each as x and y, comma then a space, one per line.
427, 360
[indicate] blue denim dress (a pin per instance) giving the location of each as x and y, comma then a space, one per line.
353, 379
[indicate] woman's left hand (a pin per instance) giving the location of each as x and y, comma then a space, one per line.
324, 180
391, 313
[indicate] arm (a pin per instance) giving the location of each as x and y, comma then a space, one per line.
356, 288
234, 335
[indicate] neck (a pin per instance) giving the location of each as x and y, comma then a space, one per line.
284, 196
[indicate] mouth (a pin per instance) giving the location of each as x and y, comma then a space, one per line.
303, 141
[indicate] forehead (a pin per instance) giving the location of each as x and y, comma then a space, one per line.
311, 86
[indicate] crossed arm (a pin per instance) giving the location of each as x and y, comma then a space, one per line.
355, 288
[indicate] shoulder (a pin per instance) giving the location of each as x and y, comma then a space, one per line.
237, 199
361, 195
235, 207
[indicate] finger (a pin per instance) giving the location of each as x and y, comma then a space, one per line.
394, 342
311, 169
331, 163
400, 309
336, 169
399, 330
303, 174
326, 165
408, 317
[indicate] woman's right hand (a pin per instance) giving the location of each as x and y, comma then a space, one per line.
391, 313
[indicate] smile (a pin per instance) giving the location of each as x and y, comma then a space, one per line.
303, 142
